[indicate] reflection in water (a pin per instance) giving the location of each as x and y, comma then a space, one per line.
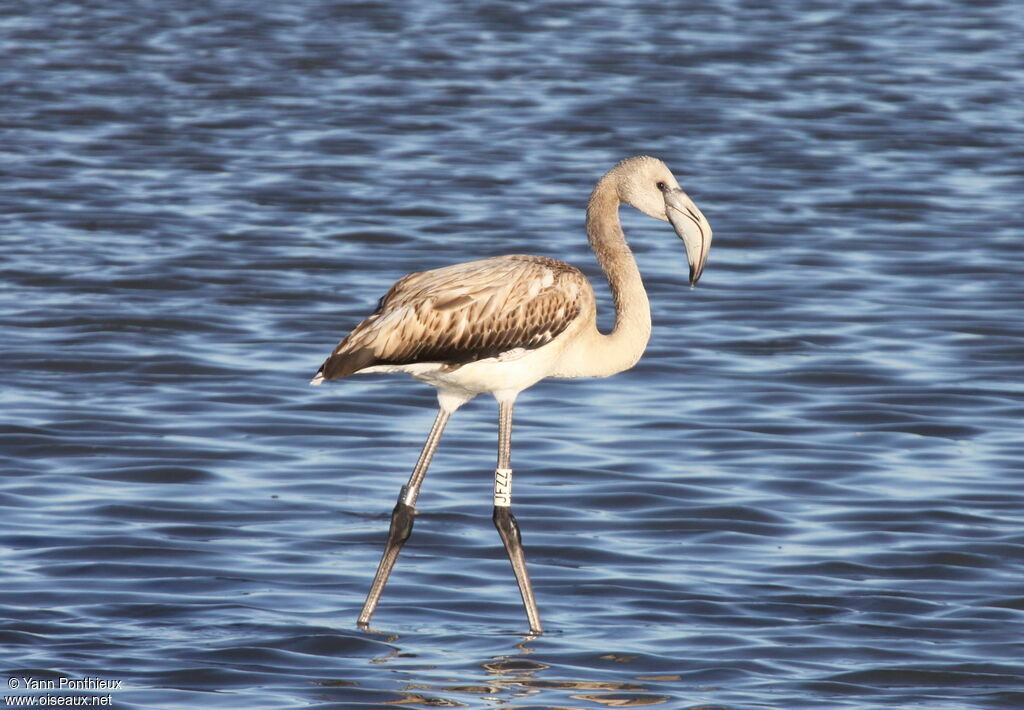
515, 676
519, 676
623, 701
413, 699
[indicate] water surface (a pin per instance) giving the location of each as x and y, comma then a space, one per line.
806, 495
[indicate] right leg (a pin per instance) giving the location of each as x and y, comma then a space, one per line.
503, 519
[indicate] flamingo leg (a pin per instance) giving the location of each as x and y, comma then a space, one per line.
505, 522
402, 517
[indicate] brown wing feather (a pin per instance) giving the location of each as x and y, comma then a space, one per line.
466, 312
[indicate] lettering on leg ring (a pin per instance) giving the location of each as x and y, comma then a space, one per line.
503, 488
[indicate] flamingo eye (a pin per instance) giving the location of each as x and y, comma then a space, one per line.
660, 186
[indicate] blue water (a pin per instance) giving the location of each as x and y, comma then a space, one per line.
808, 494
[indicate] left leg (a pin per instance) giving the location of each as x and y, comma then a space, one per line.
402, 517
504, 521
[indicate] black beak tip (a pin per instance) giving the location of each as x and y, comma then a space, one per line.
694, 276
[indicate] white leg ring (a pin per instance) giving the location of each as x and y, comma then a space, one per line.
502, 488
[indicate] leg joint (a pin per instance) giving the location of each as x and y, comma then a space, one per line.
401, 523
506, 524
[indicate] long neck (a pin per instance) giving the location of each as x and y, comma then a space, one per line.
620, 349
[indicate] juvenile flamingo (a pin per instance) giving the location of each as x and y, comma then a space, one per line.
499, 325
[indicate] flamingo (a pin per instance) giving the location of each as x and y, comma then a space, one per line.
502, 324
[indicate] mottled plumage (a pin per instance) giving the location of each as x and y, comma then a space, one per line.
465, 312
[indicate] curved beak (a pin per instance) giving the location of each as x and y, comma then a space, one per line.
692, 227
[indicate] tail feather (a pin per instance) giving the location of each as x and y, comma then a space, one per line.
341, 364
